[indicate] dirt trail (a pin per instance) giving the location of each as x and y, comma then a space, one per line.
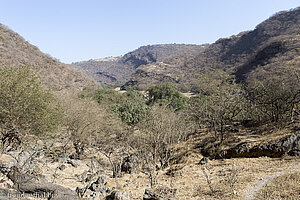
252, 192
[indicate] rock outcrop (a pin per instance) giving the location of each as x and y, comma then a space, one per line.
289, 145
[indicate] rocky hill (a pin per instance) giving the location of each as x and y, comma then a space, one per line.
274, 42
118, 70
15, 51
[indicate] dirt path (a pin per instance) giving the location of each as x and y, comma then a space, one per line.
252, 192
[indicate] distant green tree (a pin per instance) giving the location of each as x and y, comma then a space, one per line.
135, 95
25, 108
107, 95
131, 111
166, 93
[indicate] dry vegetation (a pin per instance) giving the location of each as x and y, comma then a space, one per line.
16, 52
159, 139
283, 187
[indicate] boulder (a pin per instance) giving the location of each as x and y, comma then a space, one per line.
118, 195
150, 195
6, 163
289, 145
99, 185
30, 184
74, 163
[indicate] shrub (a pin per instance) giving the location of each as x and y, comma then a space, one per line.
131, 112
107, 96
166, 93
25, 108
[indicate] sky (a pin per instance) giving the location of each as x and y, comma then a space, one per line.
77, 30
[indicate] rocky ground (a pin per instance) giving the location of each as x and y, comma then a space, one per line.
44, 171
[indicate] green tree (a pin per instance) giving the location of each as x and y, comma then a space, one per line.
107, 96
131, 111
25, 108
166, 93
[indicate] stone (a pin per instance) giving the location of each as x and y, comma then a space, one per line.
102, 180
203, 161
287, 145
150, 195
22, 157
74, 163
99, 185
26, 183
118, 195
62, 167
6, 163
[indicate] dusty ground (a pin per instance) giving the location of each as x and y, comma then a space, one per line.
286, 186
281, 185
230, 178
189, 180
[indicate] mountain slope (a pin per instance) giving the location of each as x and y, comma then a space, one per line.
275, 40
15, 51
118, 70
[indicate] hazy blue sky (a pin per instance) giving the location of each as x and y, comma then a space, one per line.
74, 30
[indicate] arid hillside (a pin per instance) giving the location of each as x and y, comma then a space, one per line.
233, 134
118, 70
15, 51
273, 43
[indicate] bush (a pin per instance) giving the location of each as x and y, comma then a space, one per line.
25, 108
107, 96
166, 93
131, 111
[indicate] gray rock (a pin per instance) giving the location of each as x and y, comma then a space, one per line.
23, 157
150, 195
203, 161
62, 167
102, 180
287, 145
62, 159
99, 185
6, 163
30, 184
118, 195
74, 163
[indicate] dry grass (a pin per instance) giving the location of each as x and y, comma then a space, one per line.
186, 176
191, 183
286, 186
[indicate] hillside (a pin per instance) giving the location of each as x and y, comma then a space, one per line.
231, 140
118, 70
15, 51
275, 41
